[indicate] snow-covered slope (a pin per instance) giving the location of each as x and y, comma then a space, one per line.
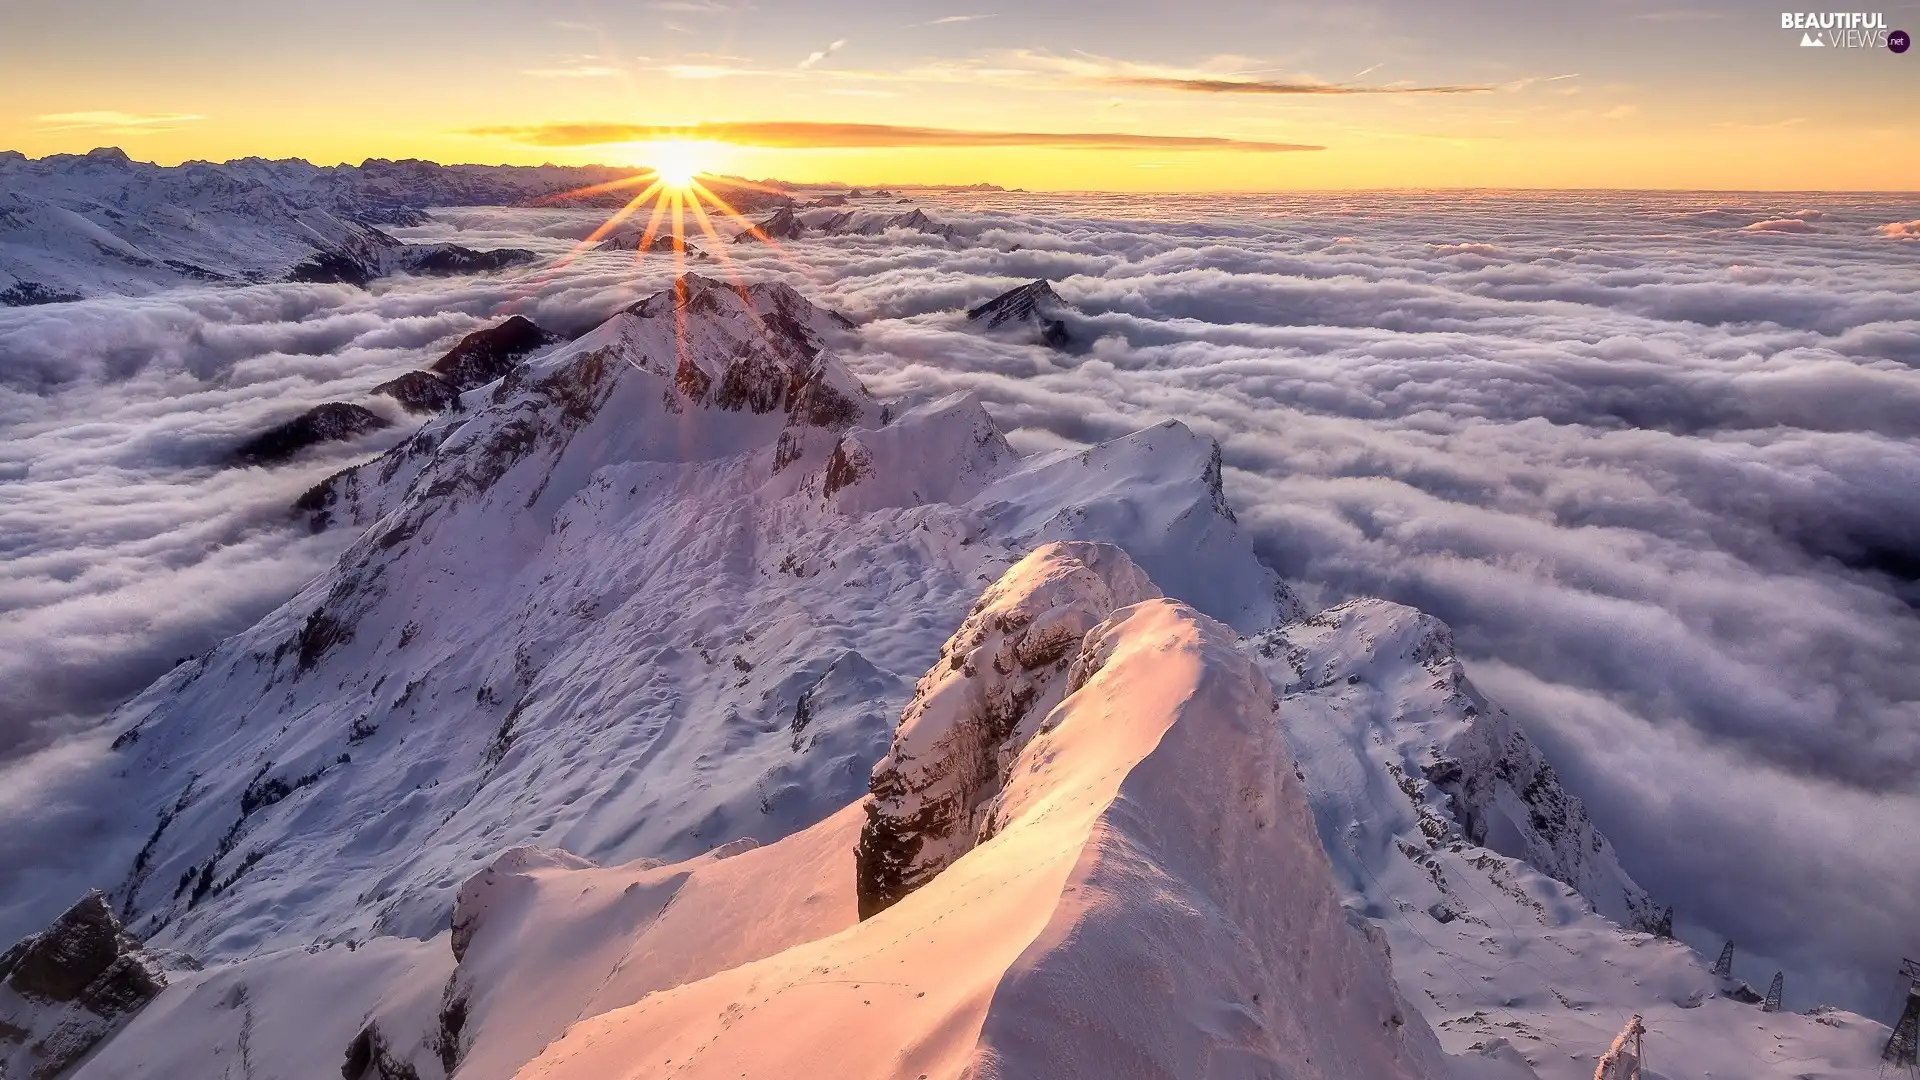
1149, 898
99, 223
1511, 920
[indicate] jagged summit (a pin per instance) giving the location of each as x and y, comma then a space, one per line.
489, 353
1033, 306
782, 224
332, 421
1031, 302
788, 224
662, 243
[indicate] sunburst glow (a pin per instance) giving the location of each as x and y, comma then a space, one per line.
673, 192
676, 164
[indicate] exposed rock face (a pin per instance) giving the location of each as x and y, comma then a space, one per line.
421, 392
854, 223
784, 373
370, 1056
1035, 306
68, 987
636, 240
333, 421
997, 678
782, 224
447, 259
486, 355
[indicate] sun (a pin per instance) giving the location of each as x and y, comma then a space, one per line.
676, 164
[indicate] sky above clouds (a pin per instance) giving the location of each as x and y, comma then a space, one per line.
1391, 93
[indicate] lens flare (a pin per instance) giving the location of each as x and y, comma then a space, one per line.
677, 164
672, 188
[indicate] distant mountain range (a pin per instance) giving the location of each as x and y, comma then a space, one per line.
79, 225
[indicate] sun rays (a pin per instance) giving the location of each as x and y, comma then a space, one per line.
671, 189
675, 194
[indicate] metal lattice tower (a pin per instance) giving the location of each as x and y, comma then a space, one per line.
1903, 1047
1723, 967
1772, 1004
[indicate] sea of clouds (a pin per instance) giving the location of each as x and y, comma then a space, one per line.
1656, 458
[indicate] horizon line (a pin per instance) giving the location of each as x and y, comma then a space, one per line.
987, 184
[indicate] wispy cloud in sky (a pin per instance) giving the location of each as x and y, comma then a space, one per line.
821, 54
807, 134
575, 67
118, 122
1277, 87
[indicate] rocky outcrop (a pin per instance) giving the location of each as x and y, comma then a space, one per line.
856, 223
785, 370
334, 421
486, 355
995, 681
421, 392
442, 260
68, 987
782, 224
1034, 307
636, 240
28, 293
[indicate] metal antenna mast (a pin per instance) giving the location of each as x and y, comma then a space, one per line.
1772, 1004
1903, 1047
1723, 967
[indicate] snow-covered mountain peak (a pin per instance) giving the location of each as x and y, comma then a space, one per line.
1033, 302
998, 676
950, 448
1362, 640
1033, 308
1161, 487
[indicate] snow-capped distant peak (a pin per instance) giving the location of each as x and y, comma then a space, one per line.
1034, 301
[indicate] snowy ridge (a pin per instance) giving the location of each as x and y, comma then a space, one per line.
788, 224
997, 678
1120, 855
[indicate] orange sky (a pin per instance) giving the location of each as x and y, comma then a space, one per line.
1398, 95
